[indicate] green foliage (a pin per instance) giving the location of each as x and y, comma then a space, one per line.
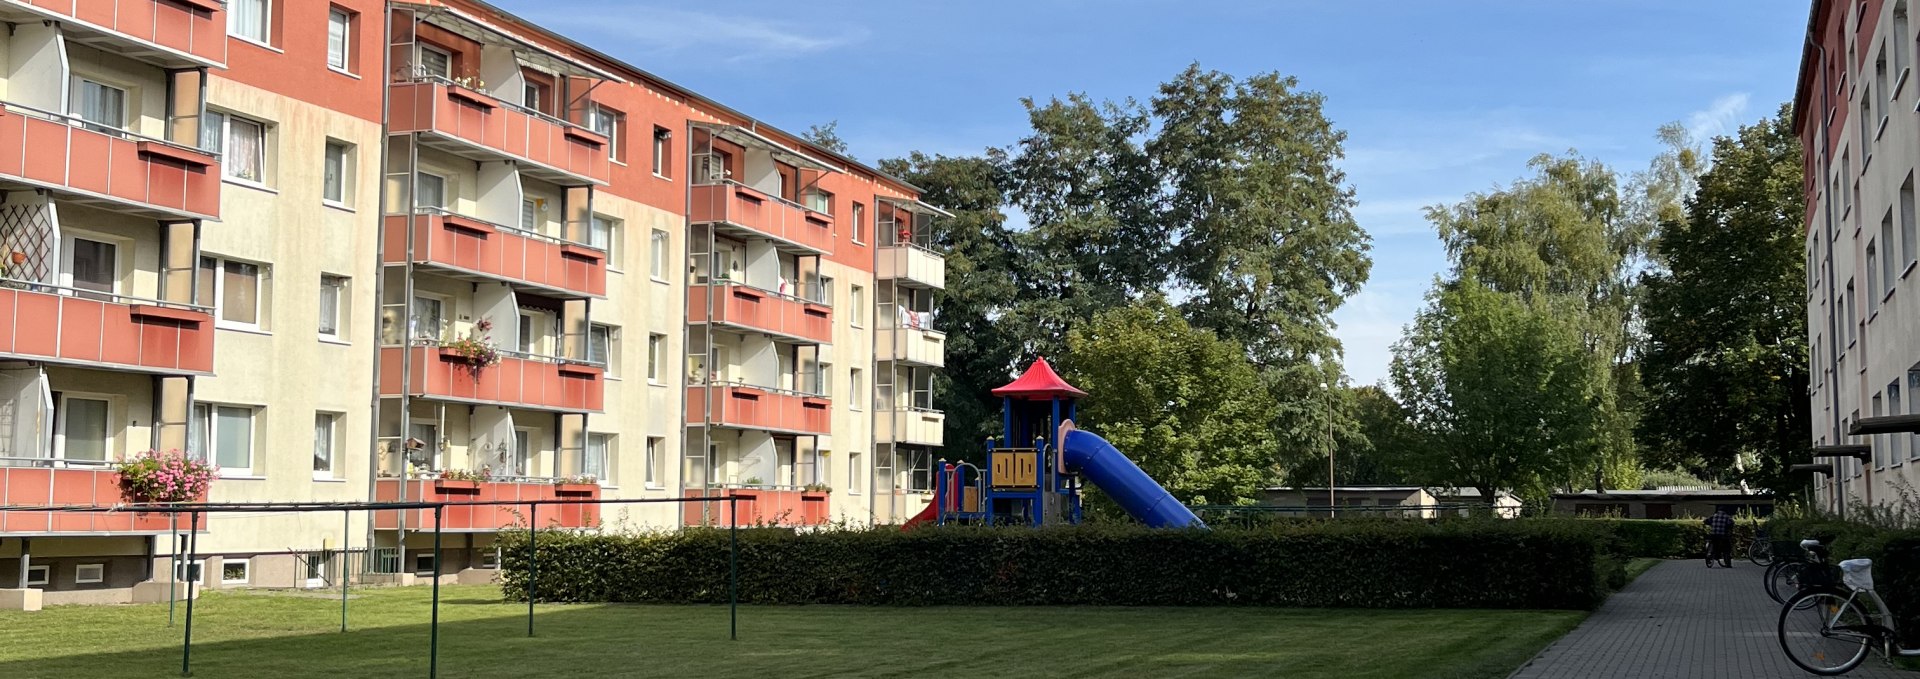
1667, 538
827, 137
1185, 404
1895, 553
1359, 564
1725, 367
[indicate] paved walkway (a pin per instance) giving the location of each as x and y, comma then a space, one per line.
1682, 620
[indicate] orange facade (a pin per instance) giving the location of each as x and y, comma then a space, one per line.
148, 174
748, 407
514, 382
769, 216
44, 487
743, 307
470, 246
486, 517
146, 337
491, 126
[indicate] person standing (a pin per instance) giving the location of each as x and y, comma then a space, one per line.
1720, 537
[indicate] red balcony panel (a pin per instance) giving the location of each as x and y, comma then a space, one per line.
31, 486
479, 119
747, 407
763, 310
60, 155
503, 253
757, 507
195, 28
53, 327
763, 214
484, 517
514, 382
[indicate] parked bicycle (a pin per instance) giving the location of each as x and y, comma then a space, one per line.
1760, 551
1829, 629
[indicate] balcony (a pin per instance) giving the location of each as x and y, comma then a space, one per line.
739, 211
914, 426
744, 406
120, 171
169, 33
475, 125
913, 346
470, 248
517, 381
47, 482
486, 518
912, 266
742, 306
758, 506
85, 328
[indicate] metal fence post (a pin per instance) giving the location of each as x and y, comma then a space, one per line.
733, 567
346, 562
533, 559
193, 549
433, 649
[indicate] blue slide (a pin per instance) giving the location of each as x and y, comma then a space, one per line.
1104, 466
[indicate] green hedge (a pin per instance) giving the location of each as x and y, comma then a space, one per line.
1668, 538
1368, 564
1895, 554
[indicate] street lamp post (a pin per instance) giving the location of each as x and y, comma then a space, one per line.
1332, 511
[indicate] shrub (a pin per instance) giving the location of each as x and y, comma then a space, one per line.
155, 477
1668, 538
1360, 564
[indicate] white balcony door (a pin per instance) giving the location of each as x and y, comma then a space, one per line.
428, 317
26, 410
522, 451
90, 266
84, 428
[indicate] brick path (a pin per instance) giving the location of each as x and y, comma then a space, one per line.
1682, 620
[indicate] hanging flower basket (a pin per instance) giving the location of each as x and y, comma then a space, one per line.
155, 477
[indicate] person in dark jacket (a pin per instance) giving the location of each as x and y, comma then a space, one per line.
1720, 537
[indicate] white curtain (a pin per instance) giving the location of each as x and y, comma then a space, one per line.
245, 155
248, 19
26, 409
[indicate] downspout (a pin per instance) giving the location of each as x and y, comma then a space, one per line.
379, 280
1833, 304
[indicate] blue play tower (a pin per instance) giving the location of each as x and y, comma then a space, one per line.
1036, 467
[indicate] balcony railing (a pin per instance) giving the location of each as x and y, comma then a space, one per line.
518, 380
486, 128
758, 506
912, 346
791, 225
482, 518
172, 33
746, 406
65, 153
744, 306
49, 482
84, 327
915, 426
912, 265
496, 251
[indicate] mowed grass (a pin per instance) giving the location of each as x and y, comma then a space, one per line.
285, 636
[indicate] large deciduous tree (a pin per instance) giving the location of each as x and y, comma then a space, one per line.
1725, 369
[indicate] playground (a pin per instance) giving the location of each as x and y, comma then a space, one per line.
289, 635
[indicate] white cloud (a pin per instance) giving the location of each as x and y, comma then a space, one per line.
1721, 117
725, 37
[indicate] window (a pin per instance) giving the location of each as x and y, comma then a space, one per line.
325, 426
318, 563
91, 265
429, 320
656, 458
339, 30
1846, 171
1866, 128
90, 573
526, 333
333, 187
522, 451
190, 571
1908, 232
423, 563
602, 347
1852, 316
436, 62
1899, 32
855, 482
243, 148
226, 432
860, 221
430, 190
656, 356
234, 289
532, 95
1913, 408
529, 215
428, 454
1889, 264
822, 202
823, 290
599, 452
712, 167
603, 232
1879, 447
856, 383
85, 426
235, 571
662, 150
1898, 442
658, 266
38, 575
1886, 93
331, 288
1873, 279
611, 124
249, 19
858, 313
103, 106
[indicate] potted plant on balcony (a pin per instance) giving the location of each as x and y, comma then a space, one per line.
581, 484
156, 477
815, 490
475, 349
462, 480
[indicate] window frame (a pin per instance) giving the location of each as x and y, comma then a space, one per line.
612, 228
662, 152
420, 62
338, 284
856, 298
108, 441
616, 121
68, 248
100, 573
659, 259
266, 24
606, 455
343, 179
79, 83
856, 379
442, 179
332, 439
227, 120
656, 357
609, 362
346, 21
246, 566
854, 484
194, 570
210, 436
217, 296
655, 463
46, 574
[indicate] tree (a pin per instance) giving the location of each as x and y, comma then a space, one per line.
1725, 370
827, 137
1502, 391
1387, 448
1182, 402
980, 351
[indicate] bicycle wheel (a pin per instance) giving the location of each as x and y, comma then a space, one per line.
1760, 552
1784, 582
1766, 580
1824, 635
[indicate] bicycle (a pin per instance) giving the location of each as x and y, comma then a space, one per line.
1760, 551
1826, 630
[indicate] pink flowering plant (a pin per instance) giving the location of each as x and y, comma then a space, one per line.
171, 476
477, 346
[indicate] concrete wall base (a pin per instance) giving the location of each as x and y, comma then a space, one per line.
156, 592
19, 599
385, 579
477, 576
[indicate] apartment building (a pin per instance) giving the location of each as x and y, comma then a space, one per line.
1854, 110
362, 250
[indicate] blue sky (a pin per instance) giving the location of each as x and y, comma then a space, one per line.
1438, 98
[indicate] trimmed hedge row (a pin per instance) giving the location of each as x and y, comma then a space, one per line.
1895, 554
1360, 564
1669, 538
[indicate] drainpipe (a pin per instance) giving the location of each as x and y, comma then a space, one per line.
379, 282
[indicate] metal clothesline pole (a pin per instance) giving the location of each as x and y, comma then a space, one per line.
533, 559
433, 651
193, 576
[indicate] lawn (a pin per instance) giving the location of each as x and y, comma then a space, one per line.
285, 636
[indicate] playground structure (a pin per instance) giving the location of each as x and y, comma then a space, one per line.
1035, 481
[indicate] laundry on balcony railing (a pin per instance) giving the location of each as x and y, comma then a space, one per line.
915, 320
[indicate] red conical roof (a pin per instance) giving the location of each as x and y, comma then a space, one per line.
1039, 382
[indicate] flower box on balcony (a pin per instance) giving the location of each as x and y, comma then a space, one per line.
174, 153
575, 488
451, 486
813, 495
585, 135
